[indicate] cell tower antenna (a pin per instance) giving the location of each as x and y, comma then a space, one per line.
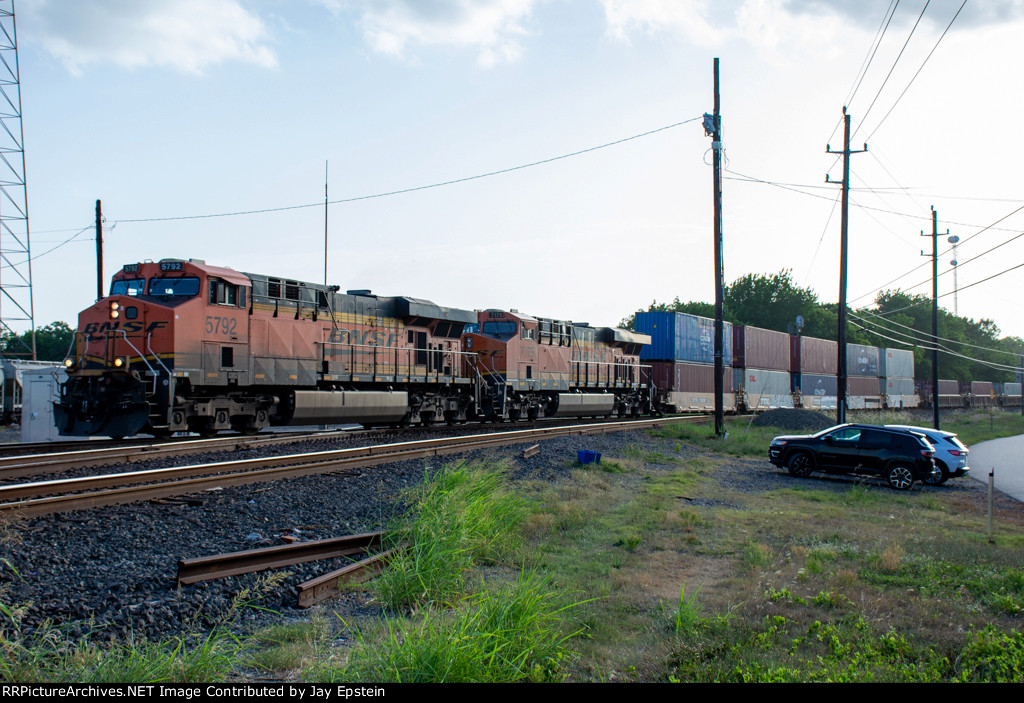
15, 253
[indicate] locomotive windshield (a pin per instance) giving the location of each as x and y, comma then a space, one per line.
499, 329
187, 286
128, 286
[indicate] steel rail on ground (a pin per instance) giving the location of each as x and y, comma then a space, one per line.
45, 497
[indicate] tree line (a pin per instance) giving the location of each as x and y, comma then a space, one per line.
896, 320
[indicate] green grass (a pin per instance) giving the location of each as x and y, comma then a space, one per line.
286, 647
507, 633
463, 516
743, 439
46, 655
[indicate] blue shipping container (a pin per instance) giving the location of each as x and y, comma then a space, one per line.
676, 336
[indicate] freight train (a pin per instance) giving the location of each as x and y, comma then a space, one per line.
768, 369
179, 345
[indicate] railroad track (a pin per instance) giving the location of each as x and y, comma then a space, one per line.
60, 457
45, 497
15, 465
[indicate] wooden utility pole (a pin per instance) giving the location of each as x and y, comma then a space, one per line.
935, 317
843, 246
713, 128
99, 250
325, 222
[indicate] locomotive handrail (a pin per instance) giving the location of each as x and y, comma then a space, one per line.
149, 348
136, 350
336, 347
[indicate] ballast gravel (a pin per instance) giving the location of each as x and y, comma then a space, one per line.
109, 573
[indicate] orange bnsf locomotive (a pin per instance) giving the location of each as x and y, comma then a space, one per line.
184, 346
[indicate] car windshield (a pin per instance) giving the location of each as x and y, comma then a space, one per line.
826, 431
179, 287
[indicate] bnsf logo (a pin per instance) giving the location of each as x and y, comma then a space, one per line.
371, 338
137, 326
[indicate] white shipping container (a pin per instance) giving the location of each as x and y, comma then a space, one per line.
896, 363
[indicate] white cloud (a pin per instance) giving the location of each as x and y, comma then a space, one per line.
186, 35
686, 17
767, 25
492, 27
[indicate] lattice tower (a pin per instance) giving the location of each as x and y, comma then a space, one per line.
15, 253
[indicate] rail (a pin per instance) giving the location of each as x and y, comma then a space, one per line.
246, 562
45, 497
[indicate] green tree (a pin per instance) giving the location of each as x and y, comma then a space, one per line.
52, 343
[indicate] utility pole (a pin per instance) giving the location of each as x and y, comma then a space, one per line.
99, 250
713, 129
325, 223
843, 246
935, 316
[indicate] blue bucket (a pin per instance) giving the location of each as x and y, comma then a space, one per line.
585, 456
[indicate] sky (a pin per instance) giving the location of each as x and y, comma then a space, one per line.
172, 112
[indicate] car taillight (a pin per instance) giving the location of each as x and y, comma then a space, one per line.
955, 452
928, 453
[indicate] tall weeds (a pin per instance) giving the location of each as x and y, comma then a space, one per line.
462, 517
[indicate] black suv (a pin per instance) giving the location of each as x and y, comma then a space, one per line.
899, 456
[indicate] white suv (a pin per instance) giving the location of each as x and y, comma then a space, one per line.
950, 453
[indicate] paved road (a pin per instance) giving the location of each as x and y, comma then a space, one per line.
1006, 456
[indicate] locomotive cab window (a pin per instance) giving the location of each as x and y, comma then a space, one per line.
128, 286
224, 293
499, 329
182, 287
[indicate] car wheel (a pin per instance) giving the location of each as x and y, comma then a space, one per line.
900, 477
940, 476
800, 465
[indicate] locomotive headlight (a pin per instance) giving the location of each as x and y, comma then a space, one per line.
69, 364
118, 362
115, 309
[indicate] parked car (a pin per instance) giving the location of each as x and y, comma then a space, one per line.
950, 452
901, 457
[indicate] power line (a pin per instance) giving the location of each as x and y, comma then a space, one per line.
926, 334
945, 350
795, 187
66, 241
961, 243
918, 70
415, 188
879, 35
866, 63
888, 75
973, 258
961, 288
